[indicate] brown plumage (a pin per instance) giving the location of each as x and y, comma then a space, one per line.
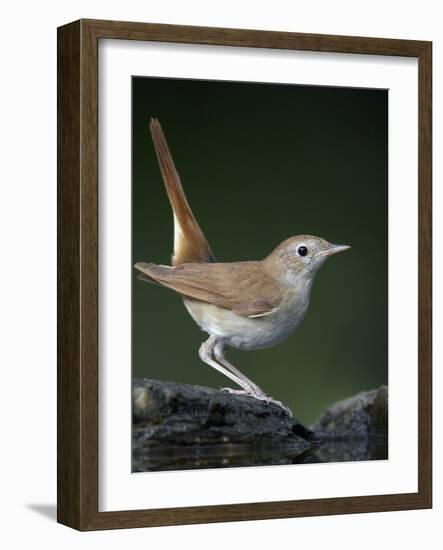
190, 244
242, 287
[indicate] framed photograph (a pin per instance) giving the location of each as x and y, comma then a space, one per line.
244, 274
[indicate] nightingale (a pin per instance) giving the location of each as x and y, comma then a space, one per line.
246, 305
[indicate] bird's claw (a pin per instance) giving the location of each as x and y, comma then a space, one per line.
260, 397
268, 399
281, 405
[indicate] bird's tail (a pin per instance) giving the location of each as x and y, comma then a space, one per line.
190, 244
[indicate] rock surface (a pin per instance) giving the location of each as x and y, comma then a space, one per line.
363, 415
195, 425
179, 426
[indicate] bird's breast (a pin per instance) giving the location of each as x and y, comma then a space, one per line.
242, 332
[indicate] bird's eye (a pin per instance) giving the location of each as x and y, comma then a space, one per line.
302, 251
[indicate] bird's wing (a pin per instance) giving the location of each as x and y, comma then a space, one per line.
190, 243
242, 287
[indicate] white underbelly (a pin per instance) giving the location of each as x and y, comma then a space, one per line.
246, 333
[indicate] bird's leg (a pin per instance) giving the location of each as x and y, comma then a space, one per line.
206, 355
213, 347
249, 387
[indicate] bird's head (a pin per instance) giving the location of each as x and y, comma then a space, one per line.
301, 256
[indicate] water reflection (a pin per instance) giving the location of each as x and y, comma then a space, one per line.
236, 454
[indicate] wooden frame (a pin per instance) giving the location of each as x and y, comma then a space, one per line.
77, 274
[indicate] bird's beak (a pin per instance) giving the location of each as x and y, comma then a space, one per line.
334, 249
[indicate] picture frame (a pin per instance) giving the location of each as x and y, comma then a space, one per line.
78, 245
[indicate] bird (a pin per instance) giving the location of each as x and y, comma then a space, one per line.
247, 305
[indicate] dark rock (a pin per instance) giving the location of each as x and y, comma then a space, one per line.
177, 426
379, 413
353, 429
363, 415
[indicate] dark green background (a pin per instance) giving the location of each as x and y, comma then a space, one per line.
259, 163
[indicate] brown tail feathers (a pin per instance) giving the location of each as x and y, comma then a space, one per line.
190, 244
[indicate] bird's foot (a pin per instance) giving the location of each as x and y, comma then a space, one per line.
260, 397
278, 403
